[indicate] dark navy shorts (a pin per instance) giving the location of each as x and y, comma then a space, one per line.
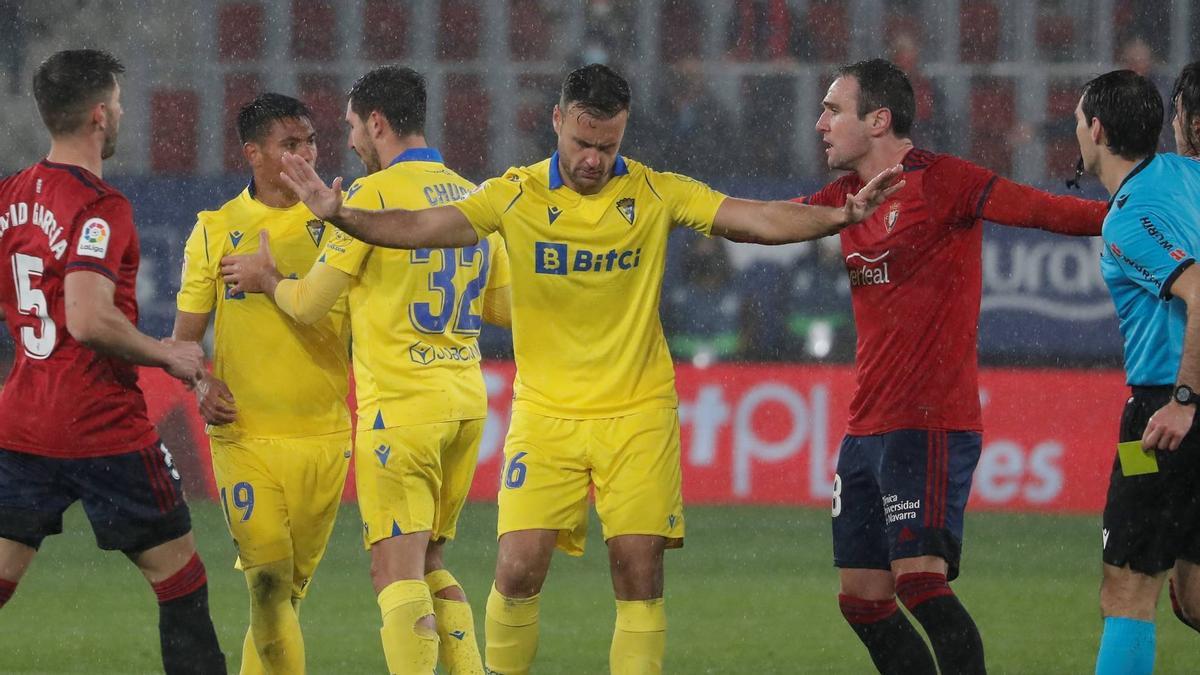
901, 495
134, 500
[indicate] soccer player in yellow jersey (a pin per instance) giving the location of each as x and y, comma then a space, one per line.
422, 403
595, 401
276, 400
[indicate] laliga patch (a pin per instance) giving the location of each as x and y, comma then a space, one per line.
93, 240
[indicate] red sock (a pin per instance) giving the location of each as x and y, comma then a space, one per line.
186, 581
7, 588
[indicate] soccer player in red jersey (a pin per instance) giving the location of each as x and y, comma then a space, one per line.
915, 432
73, 422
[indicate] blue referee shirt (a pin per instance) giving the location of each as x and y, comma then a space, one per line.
1151, 235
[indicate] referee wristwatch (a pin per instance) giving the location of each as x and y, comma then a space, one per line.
1184, 395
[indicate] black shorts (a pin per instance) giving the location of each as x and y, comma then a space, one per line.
1152, 520
134, 500
901, 495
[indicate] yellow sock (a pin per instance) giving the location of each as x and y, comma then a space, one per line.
458, 650
251, 665
640, 638
409, 649
274, 626
511, 629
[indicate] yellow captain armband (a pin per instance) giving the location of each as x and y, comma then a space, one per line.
497, 307
309, 299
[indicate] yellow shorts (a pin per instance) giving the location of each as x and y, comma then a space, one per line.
281, 497
415, 478
633, 461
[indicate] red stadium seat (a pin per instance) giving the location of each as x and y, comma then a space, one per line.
979, 31
459, 30
385, 29
327, 102
830, 29
528, 31
174, 124
240, 89
1061, 147
993, 113
313, 37
681, 36
240, 31
466, 120
1055, 32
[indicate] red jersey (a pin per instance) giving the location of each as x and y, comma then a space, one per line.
61, 398
915, 271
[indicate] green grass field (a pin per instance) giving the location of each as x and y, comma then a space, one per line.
753, 592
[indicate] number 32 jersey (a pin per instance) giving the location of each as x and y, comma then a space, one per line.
62, 399
415, 315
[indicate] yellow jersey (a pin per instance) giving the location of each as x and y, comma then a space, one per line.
587, 274
416, 315
288, 380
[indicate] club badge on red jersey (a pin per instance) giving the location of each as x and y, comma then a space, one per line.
892, 216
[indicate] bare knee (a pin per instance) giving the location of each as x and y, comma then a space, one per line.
867, 584
1126, 593
523, 562
636, 564
398, 558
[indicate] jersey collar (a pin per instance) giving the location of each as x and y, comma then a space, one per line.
1136, 170
418, 155
556, 181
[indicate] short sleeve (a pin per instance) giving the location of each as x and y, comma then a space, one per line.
479, 206
1145, 247
103, 234
500, 274
692, 204
343, 252
957, 190
198, 287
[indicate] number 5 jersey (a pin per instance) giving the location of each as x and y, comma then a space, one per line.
62, 399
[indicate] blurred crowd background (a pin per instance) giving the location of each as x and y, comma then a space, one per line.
725, 91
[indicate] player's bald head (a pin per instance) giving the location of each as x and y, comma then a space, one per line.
69, 83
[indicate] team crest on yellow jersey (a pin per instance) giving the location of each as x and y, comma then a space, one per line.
316, 229
625, 207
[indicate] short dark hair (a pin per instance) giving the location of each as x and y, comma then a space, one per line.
397, 93
597, 89
882, 84
255, 118
69, 83
1187, 92
1129, 108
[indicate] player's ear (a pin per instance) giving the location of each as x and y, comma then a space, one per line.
1096, 130
556, 119
250, 152
881, 120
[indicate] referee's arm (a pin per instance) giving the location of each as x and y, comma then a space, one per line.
1171, 423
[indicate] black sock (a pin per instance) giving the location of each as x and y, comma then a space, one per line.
895, 646
189, 642
951, 630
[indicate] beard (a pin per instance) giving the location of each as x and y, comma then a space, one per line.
110, 138
370, 157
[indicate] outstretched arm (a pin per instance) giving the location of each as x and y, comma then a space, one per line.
437, 227
1010, 203
779, 222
